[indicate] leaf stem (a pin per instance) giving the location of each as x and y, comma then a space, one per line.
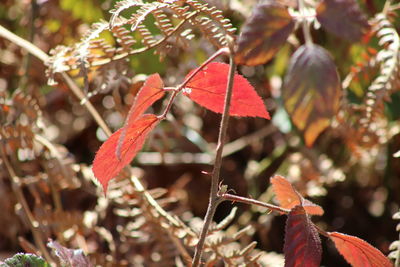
305, 25
250, 201
214, 199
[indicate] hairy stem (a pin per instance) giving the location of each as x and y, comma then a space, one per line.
214, 200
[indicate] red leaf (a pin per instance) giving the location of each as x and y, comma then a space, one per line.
288, 197
106, 165
151, 91
302, 243
208, 87
357, 252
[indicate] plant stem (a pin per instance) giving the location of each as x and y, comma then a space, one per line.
37, 52
251, 201
214, 199
31, 48
304, 23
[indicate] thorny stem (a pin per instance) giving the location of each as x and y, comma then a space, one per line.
214, 199
33, 224
305, 24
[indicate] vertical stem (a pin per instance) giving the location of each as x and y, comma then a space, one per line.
214, 200
304, 23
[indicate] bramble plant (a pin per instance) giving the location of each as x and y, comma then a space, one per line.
310, 95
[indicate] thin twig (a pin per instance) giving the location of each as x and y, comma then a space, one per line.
31, 48
92, 110
305, 24
251, 201
37, 52
213, 200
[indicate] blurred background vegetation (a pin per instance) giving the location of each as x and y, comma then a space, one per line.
358, 186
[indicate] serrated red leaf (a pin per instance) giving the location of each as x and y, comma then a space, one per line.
106, 165
302, 243
358, 252
208, 87
151, 91
288, 196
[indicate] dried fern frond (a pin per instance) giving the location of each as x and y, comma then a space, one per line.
19, 116
121, 6
209, 20
395, 246
222, 247
388, 77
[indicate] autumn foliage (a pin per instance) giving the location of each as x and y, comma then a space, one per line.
277, 123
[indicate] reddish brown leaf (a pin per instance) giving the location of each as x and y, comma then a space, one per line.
302, 244
264, 33
106, 165
342, 18
311, 90
288, 196
357, 252
151, 91
208, 87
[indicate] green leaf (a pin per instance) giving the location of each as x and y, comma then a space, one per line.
24, 260
311, 90
264, 33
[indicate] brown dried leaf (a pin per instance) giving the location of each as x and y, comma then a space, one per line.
342, 18
264, 33
311, 90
